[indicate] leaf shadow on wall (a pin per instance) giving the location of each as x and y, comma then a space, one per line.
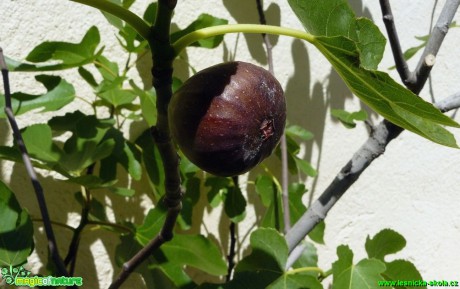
246, 12
62, 205
307, 108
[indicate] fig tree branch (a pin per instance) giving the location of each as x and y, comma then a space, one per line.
369, 151
39, 194
268, 45
163, 56
416, 80
438, 33
72, 253
374, 146
398, 55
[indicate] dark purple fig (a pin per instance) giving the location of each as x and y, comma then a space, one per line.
229, 117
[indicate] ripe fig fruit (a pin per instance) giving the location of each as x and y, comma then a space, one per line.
229, 117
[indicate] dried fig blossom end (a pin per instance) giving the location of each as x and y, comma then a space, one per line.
267, 129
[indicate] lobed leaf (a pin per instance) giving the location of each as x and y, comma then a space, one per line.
336, 18
354, 47
59, 94
39, 143
364, 275
384, 243
195, 251
298, 131
348, 118
380, 92
269, 252
402, 270
296, 281
388, 242
60, 55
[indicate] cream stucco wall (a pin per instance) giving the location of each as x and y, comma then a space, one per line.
412, 188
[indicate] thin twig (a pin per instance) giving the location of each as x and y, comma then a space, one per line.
375, 145
52, 244
433, 45
231, 251
398, 55
268, 44
430, 79
75, 242
415, 80
232, 247
283, 144
449, 103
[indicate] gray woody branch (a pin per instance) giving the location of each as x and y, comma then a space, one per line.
382, 135
39, 194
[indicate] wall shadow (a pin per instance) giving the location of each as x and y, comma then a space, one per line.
63, 206
246, 12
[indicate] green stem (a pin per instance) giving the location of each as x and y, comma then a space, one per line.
111, 225
54, 223
196, 35
306, 269
124, 14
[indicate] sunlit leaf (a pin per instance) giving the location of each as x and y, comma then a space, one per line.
39, 143
348, 118
298, 131
67, 55
380, 92
266, 189
269, 252
402, 270
388, 242
305, 167
296, 207
363, 275
152, 225
296, 281
336, 18
59, 93
148, 103
384, 243
354, 47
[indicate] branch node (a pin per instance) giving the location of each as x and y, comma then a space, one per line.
173, 200
388, 17
430, 60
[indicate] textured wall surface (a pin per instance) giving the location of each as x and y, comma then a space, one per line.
412, 188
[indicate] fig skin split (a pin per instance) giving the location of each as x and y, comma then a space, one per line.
229, 117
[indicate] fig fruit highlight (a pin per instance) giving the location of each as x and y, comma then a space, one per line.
228, 118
